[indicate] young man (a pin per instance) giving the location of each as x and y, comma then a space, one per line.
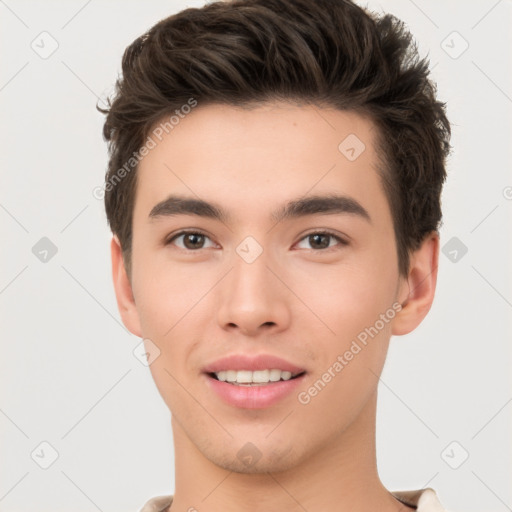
274, 192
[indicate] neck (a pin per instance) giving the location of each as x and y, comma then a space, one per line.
341, 475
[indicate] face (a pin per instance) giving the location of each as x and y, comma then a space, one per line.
264, 271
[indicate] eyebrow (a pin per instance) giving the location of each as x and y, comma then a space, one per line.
175, 205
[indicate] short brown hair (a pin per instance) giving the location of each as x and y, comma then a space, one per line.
325, 52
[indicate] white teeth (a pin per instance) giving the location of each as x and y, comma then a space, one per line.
261, 376
256, 377
243, 376
275, 375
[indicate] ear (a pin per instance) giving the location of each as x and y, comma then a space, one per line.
416, 292
123, 289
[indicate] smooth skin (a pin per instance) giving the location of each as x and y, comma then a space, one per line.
304, 299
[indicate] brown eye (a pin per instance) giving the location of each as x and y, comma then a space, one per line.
321, 240
193, 241
189, 240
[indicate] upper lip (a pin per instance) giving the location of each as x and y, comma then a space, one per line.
252, 363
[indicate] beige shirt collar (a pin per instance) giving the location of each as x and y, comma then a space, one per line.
425, 500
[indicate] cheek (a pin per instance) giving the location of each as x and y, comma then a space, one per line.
164, 293
348, 299
171, 306
352, 357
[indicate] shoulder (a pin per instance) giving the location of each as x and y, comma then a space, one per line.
425, 500
157, 504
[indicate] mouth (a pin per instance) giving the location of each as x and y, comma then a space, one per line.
253, 381
277, 387
254, 378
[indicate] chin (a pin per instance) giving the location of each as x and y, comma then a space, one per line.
251, 460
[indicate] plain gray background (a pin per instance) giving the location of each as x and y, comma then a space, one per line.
69, 378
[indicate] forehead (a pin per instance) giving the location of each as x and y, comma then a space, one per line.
251, 157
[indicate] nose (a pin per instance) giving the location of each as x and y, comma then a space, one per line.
253, 299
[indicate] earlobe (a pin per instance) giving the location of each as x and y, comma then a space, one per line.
417, 291
123, 289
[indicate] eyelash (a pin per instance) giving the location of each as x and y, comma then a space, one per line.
341, 241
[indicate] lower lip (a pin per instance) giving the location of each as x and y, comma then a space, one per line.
254, 397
